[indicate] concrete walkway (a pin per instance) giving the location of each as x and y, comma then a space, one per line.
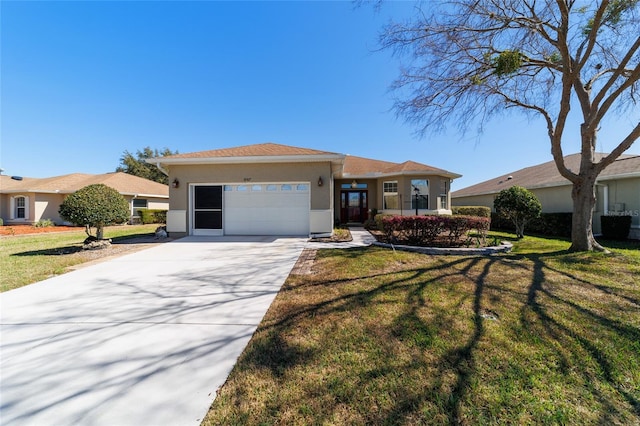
144, 339
360, 238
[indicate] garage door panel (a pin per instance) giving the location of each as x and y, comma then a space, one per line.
267, 212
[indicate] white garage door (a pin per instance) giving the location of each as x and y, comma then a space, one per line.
266, 209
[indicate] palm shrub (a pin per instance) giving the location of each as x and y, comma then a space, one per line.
519, 205
95, 206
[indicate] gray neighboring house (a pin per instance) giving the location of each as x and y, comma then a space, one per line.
25, 201
617, 189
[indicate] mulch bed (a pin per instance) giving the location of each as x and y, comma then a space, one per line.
10, 230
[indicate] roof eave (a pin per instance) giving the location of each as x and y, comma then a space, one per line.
34, 191
376, 175
619, 176
317, 158
554, 184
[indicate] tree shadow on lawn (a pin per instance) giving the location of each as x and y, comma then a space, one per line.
573, 345
451, 390
77, 247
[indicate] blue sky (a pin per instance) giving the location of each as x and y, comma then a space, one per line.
81, 82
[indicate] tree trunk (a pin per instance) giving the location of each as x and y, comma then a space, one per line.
99, 232
584, 201
520, 228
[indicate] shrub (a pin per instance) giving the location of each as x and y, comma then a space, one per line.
519, 205
550, 224
1, 222
95, 206
378, 220
615, 227
152, 216
424, 230
44, 223
480, 211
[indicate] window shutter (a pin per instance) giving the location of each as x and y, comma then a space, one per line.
12, 212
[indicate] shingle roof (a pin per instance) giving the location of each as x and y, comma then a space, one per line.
362, 167
547, 175
257, 150
66, 184
353, 166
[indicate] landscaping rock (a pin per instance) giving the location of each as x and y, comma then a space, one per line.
96, 244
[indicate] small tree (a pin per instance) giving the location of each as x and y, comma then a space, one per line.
518, 205
95, 206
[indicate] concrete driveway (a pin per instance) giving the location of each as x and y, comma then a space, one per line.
146, 338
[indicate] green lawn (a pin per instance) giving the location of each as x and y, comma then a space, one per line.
537, 336
30, 258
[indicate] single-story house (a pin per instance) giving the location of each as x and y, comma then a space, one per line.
617, 189
25, 200
273, 189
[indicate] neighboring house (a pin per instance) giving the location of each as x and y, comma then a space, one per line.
28, 200
272, 189
617, 189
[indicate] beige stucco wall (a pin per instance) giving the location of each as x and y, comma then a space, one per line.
46, 207
553, 200
158, 203
251, 173
476, 200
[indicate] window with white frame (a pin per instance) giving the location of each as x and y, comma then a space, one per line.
390, 195
419, 194
443, 194
20, 208
139, 203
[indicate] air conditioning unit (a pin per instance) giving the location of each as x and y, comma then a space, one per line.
618, 207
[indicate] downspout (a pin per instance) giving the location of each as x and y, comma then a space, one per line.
166, 173
605, 197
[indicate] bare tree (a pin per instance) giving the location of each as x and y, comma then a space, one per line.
472, 59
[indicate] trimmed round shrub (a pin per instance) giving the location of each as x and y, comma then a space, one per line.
95, 206
519, 205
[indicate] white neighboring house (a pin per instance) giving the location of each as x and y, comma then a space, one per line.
617, 189
28, 200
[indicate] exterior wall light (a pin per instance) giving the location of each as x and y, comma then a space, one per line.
175, 183
354, 184
320, 181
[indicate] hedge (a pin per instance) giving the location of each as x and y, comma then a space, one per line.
480, 211
551, 224
152, 216
423, 230
615, 227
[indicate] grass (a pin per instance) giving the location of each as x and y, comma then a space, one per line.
31, 258
537, 336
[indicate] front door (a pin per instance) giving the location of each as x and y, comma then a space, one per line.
207, 210
353, 206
